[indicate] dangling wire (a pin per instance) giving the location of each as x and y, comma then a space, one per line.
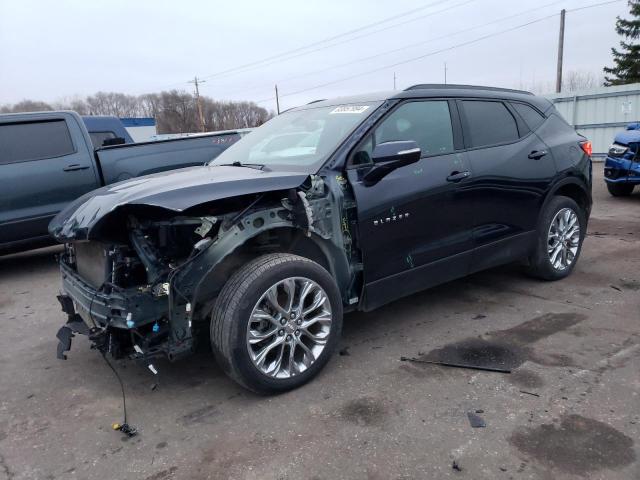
124, 427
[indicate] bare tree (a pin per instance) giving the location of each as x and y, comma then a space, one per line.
175, 111
573, 81
27, 106
576, 80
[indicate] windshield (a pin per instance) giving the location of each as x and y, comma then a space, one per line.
299, 140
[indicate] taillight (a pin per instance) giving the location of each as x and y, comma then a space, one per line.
587, 147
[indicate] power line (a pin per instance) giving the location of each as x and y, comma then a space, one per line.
420, 57
413, 59
328, 39
398, 49
356, 38
316, 43
595, 5
331, 45
405, 47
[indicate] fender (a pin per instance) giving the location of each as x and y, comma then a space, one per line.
199, 278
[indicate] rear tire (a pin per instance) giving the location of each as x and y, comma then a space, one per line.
560, 233
276, 322
620, 189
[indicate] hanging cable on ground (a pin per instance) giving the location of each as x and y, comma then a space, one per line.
123, 427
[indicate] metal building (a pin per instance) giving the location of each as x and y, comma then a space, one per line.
600, 113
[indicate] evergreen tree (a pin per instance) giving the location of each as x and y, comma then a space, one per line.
627, 59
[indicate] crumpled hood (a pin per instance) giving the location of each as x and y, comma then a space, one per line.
176, 190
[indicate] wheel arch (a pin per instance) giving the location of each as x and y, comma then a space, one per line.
571, 187
280, 238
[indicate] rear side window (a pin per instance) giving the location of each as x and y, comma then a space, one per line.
489, 123
98, 138
530, 115
34, 140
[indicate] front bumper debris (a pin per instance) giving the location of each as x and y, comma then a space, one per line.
126, 323
122, 308
75, 324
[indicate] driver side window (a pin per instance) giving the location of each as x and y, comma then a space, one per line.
428, 123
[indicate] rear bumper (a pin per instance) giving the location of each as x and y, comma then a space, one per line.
621, 170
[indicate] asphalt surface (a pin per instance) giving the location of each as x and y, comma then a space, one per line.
569, 409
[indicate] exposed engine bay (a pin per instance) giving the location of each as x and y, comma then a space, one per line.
145, 281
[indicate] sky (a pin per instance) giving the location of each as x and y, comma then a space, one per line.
55, 50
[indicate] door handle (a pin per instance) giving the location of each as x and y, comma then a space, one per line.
74, 167
458, 176
537, 154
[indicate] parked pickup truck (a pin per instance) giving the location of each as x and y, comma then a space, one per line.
105, 131
47, 160
622, 166
343, 204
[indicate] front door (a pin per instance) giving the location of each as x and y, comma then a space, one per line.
415, 227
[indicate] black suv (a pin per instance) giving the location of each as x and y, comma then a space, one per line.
338, 205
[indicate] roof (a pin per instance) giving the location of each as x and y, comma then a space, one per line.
437, 91
138, 122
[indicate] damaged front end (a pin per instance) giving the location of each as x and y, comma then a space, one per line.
142, 279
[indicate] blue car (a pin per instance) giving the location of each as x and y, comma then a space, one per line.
622, 167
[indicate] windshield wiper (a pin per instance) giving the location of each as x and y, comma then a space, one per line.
257, 166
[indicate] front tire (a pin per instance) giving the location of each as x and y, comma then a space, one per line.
561, 230
276, 323
620, 189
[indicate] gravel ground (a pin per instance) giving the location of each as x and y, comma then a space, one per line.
570, 408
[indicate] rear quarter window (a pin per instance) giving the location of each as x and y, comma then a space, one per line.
34, 140
488, 123
530, 115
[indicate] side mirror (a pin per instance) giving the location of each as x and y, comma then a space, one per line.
402, 152
391, 155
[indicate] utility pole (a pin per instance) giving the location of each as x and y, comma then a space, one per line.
277, 101
445, 73
195, 81
563, 13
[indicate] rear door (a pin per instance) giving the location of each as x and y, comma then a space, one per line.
42, 169
512, 170
415, 226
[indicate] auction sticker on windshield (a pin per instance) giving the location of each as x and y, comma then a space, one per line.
349, 109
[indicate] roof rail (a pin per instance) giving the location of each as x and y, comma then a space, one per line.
316, 101
427, 86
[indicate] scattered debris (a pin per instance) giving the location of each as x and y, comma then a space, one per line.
125, 428
344, 352
529, 393
479, 411
503, 469
456, 365
479, 317
476, 421
616, 288
456, 467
